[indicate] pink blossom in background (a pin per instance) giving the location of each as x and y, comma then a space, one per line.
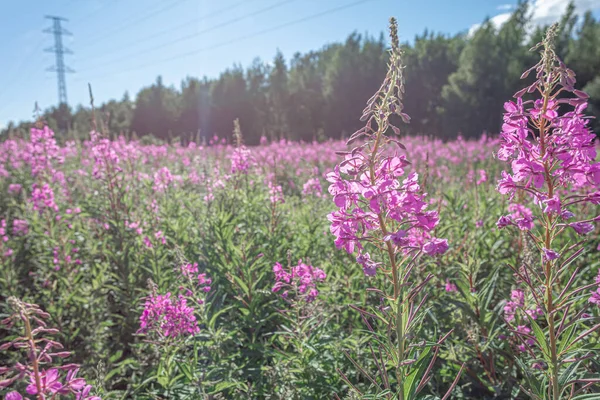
275, 193
482, 177
14, 188
43, 151
241, 160
42, 198
302, 278
163, 178
147, 242
450, 287
20, 227
312, 187
517, 300
168, 316
160, 237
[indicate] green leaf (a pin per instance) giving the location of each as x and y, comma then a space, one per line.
221, 386
540, 337
568, 373
186, 370
411, 381
115, 356
566, 335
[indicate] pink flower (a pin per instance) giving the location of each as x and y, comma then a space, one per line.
275, 193
503, 222
552, 205
312, 187
482, 177
159, 236
550, 255
241, 160
84, 394
167, 316
302, 278
163, 178
436, 246
147, 242
14, 188
369, 266
43, 198
521, 216
20, 227
48, 381
595, 297
517, 300
399, 238
450, 287
582, 228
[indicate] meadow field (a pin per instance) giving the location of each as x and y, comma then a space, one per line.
379, 266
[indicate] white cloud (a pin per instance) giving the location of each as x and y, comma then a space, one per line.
544, 12
505, 7
498, 20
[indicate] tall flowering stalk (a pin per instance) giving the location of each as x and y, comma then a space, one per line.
552, 155
378, 212
241, 158
45, 379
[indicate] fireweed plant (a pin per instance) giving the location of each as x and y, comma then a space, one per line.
169, 322
553, 172
379, 214
303, 322
40, 372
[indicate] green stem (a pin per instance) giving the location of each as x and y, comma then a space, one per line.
34, 360
396, 282
548, 236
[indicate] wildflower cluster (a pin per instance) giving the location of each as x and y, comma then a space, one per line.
163, 178
551, 152
42, 198
43, 151
174, 316
301, 279
552, 155
39, 369
200, 280
168, 316
241, 158
106, 159
312, 187
373, 202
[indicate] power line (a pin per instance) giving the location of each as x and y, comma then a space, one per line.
241, 38
104, 35
58, 31
29, 58
193, 35
185, 24
94, 12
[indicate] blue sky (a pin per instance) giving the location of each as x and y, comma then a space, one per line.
123, 45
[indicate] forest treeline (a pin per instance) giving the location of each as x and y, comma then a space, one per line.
454, 85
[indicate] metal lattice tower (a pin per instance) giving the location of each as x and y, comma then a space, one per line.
60, 68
